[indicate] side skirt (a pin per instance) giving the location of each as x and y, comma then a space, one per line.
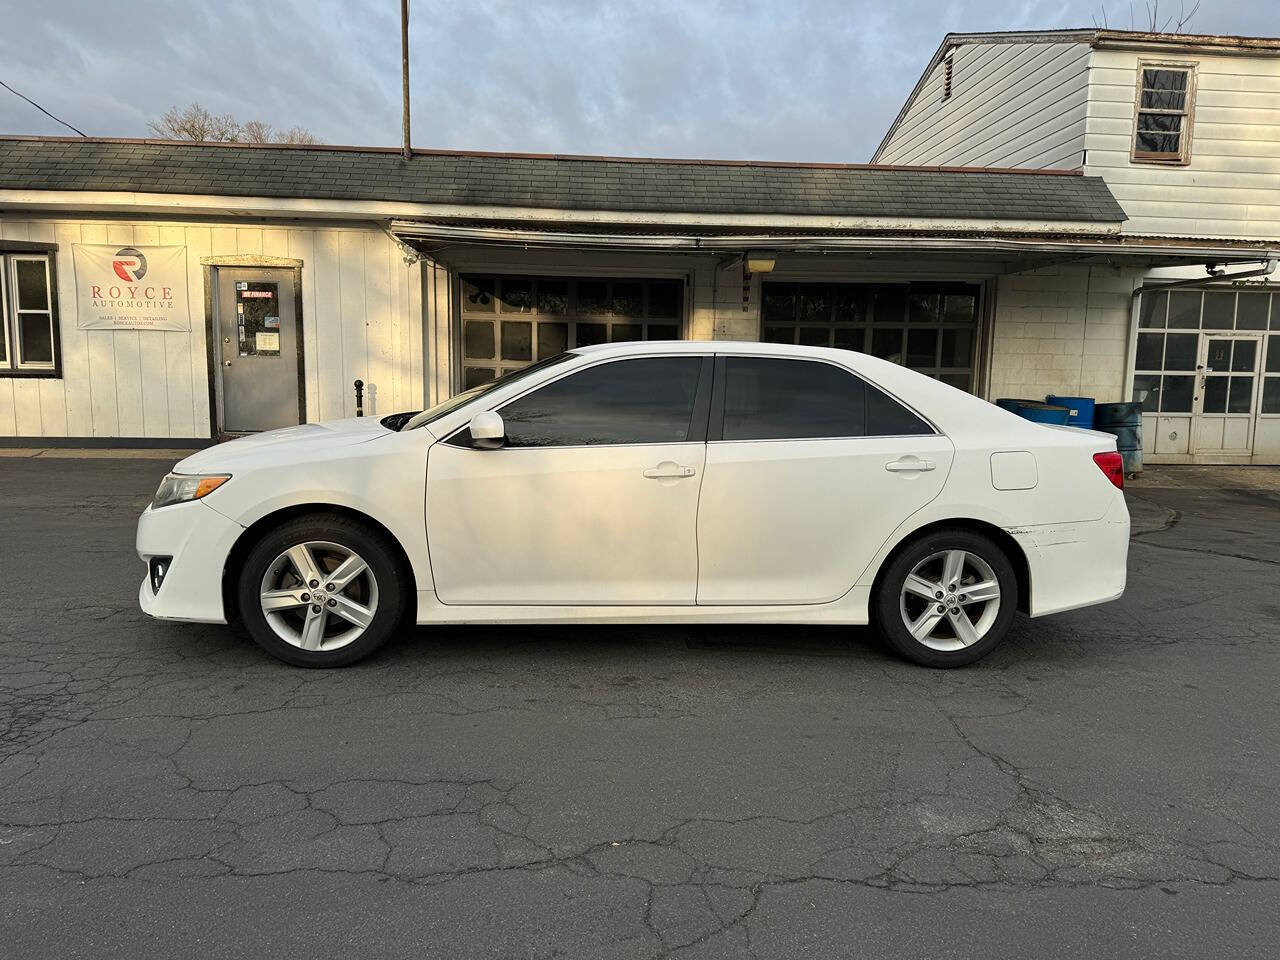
851, 609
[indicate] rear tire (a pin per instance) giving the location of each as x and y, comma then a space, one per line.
322, 590
946, 600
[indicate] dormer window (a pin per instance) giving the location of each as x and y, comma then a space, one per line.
1162, 130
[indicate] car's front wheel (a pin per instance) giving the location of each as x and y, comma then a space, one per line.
947, 599
322, 590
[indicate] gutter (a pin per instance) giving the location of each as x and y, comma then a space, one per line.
1085, 245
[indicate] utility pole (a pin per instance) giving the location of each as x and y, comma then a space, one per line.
404, 72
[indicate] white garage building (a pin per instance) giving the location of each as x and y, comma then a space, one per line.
160, 293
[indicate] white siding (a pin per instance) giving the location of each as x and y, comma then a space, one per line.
361, 318
1231, 187
1012, 105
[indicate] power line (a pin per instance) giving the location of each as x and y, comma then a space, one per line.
42, 109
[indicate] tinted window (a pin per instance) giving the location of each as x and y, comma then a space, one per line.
797, 399
648, 400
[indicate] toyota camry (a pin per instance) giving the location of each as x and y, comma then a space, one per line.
648, 483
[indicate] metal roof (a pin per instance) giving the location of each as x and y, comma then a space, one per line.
554, 182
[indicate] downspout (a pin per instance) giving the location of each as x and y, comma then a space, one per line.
1266, 270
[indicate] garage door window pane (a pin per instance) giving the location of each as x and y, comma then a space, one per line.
815, 305
849, 303
1184, 310
553, 338
625, 332
815, 336
1215, 395
1146, 391
1152, 309
474, 376
517, 295
1177, 394
922, 347
1271, 395
648, 400
791, 399
517, 341
628, 299
1219, 311
850, 338
553, 296
593, 296
1180, 351
590, 334
887, 344
478, 295
1150, 351
957, 348
663, 331
779, 303
664, 299
478, 340
1273, 354
1251, 311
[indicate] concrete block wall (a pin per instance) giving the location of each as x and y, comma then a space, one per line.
1062, 330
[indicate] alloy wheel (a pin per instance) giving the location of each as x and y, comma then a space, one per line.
319, 595
950, 599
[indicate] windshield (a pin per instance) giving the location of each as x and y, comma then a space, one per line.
466, 396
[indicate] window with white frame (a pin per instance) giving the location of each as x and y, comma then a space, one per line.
29, 342
1162, 126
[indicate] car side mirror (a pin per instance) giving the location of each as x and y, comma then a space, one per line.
488, 431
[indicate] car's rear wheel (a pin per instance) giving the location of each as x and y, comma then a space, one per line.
322, 590
947, 599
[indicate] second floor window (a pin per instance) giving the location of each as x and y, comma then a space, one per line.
1162, 131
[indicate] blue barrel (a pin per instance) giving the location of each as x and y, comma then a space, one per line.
1081, 409
1125, 421
1036, 411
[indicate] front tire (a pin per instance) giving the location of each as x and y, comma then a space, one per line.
322, 590
946, 600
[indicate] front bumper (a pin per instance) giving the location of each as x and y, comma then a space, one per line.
199, 539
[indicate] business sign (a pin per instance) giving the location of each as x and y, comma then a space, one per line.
131, 288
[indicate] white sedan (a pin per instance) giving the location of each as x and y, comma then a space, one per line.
648, 483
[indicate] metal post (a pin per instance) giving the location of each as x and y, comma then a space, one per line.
404, 71
359, 398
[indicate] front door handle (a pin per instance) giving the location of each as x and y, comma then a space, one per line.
909, 465
669, 470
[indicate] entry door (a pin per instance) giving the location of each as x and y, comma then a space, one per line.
593, 499
809, 474
1226, 403
258, 356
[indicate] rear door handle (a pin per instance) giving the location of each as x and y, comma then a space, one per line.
669, 471
909, 465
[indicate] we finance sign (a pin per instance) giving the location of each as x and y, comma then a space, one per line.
131, 288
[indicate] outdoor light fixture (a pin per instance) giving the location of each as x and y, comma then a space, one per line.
760, 261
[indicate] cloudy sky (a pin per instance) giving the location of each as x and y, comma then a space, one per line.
762, 79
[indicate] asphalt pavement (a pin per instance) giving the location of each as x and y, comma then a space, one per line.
1104, 785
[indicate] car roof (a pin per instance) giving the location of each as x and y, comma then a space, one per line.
645, 347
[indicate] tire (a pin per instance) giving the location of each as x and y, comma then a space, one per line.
960, 627
331, 627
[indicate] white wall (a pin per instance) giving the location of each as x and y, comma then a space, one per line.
1011, 105
1231, 187
361, 310
1062, 330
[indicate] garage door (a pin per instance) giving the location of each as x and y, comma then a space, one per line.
508, 322
930, 327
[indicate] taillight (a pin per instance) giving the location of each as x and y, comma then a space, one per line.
1112, 464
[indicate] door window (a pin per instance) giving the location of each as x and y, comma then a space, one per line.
646, 400
769, 399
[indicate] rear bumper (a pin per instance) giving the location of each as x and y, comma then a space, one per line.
1076, 565
198, 539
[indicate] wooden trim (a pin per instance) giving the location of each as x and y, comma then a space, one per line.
9, 314
1183, 157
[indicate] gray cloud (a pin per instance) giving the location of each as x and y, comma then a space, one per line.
783, 79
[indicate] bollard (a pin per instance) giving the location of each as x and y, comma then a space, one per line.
359, 398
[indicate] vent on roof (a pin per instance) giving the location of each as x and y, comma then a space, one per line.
946, 77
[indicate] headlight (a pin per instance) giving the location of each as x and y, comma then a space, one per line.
180, 487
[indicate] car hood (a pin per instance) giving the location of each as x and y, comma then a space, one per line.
284, 445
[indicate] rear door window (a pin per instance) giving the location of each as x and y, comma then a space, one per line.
782, 399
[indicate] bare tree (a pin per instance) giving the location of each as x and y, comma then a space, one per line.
196, 123
1174, 23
